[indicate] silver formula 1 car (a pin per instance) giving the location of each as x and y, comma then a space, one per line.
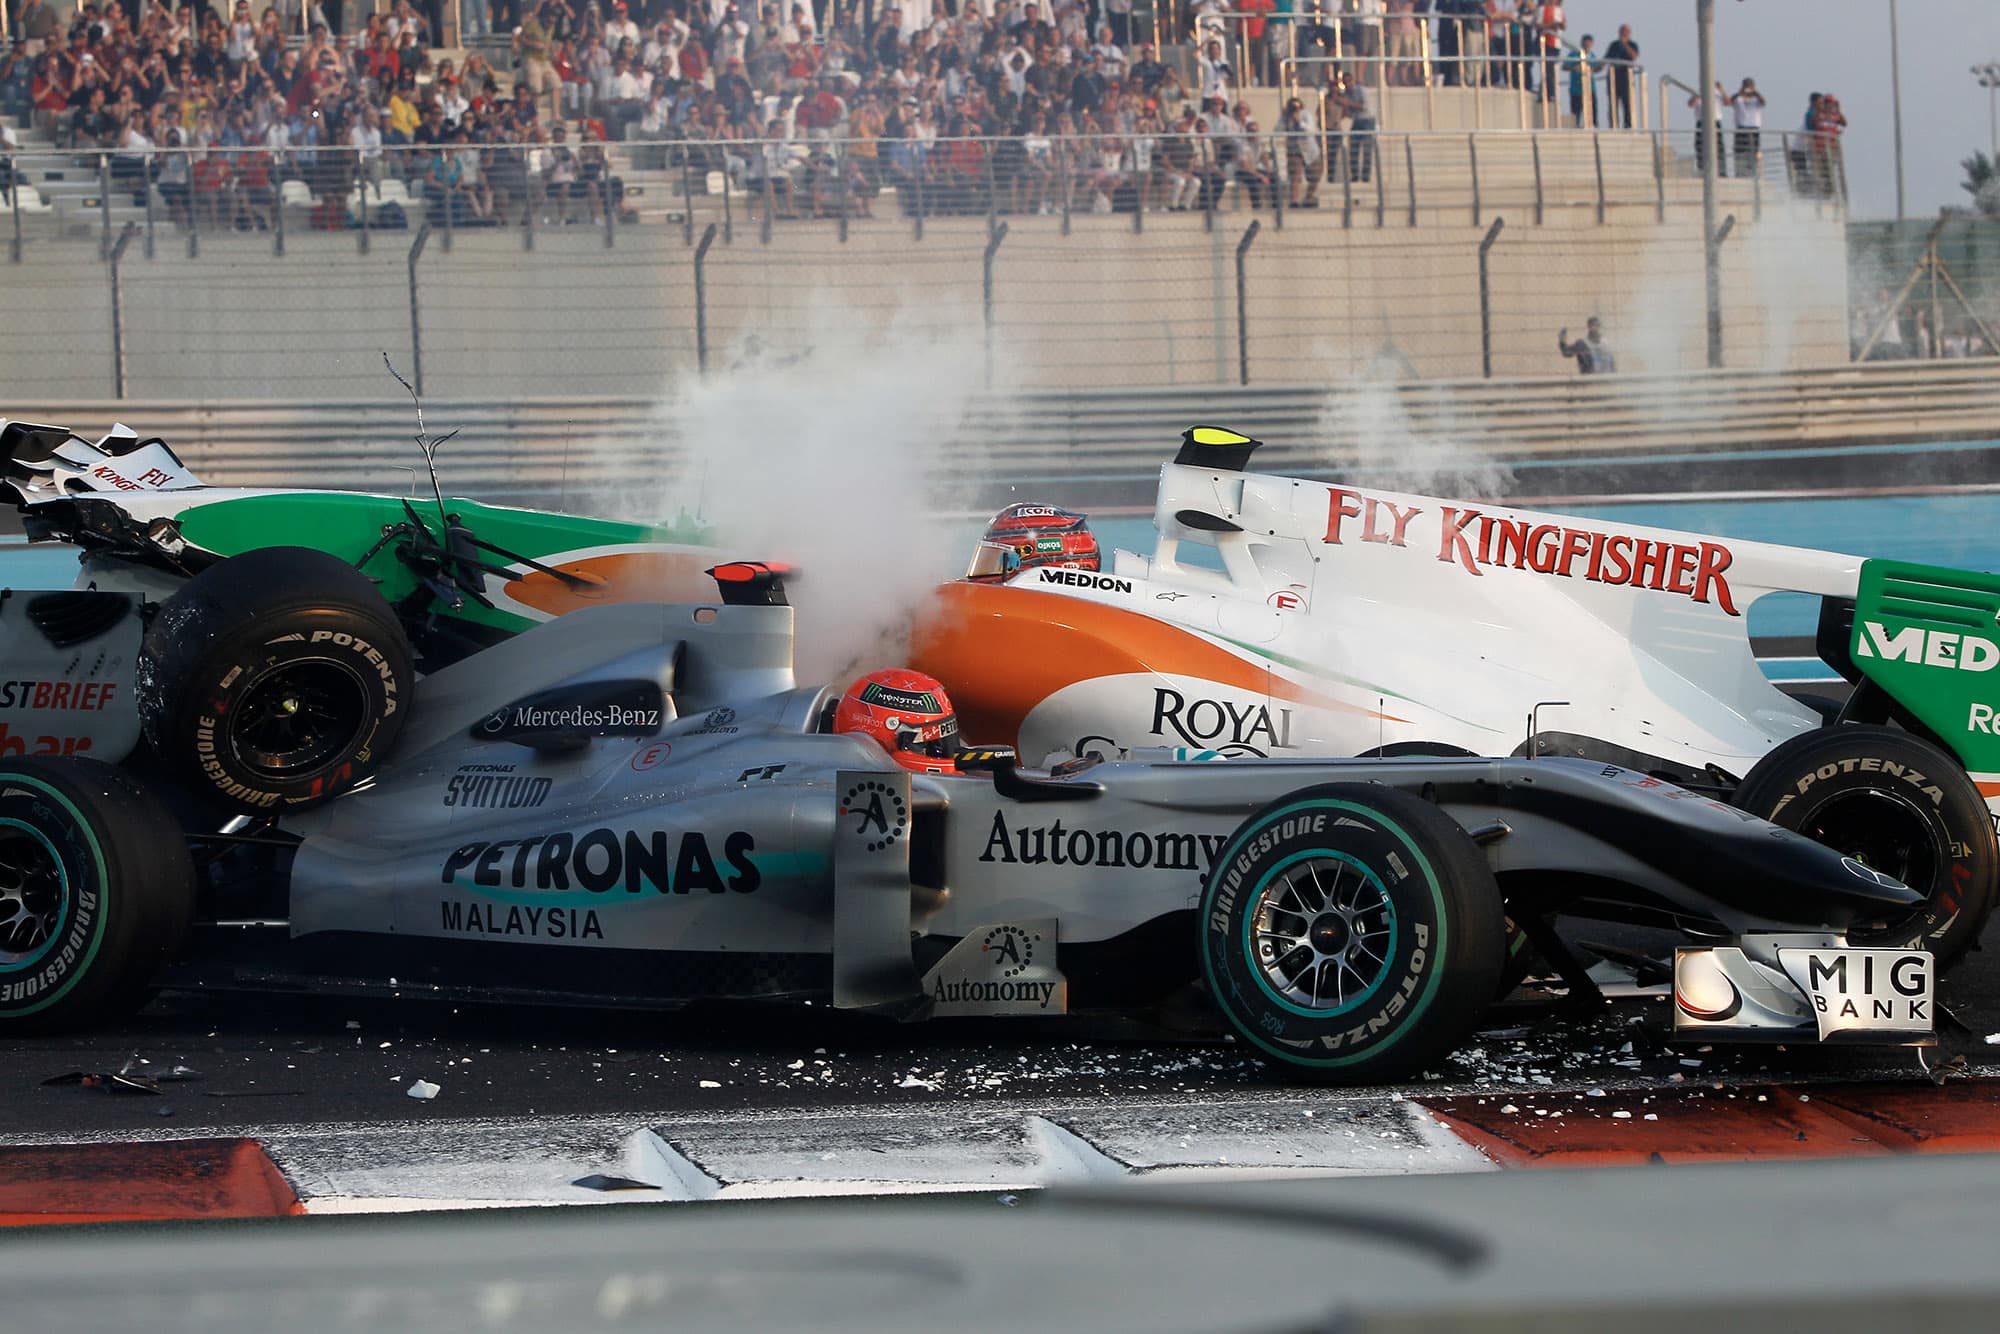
639, 803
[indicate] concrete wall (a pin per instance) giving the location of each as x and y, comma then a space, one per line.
1100, 305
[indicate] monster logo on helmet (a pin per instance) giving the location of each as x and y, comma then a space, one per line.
907, 714
1024, 536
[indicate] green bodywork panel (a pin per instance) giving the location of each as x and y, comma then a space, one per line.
1930, 636
347, 524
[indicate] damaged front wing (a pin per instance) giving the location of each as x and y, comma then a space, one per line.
1805, 987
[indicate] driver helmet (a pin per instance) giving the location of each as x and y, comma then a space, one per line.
1022, 536
907, 714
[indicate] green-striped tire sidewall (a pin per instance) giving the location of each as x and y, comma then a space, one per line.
1273, 872
88, 908
1444, 962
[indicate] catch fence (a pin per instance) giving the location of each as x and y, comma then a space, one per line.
1078, 271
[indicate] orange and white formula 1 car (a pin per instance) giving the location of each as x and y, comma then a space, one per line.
1283, 617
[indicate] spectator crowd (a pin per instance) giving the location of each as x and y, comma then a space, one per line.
960, 104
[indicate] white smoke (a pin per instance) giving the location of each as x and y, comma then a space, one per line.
822, 449
1365, 431
1663, 327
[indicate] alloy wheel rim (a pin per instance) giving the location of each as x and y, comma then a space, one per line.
299, 717
34, 897
1322, 931
1886, 831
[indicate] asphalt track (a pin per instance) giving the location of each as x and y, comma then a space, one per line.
253, 1061
266, 1108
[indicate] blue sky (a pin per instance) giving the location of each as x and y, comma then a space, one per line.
1795, 47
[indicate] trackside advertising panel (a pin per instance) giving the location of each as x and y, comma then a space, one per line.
1930, 636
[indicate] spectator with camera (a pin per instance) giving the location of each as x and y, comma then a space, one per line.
533, 49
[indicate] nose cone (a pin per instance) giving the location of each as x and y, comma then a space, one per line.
1873, 886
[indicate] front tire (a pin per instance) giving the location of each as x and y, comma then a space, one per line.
1351, 933
96, 892
1896, 803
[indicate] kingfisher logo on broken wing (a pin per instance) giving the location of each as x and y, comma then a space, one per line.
1477, 541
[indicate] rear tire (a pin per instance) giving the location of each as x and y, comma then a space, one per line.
1351, 933
96, 892
1896, 803
275, 679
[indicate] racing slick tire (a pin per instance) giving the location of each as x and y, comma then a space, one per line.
1368, 893
96, 892
275, 679
1899, 804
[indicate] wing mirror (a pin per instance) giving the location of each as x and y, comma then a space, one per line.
987, 759
1004, 763
570, 717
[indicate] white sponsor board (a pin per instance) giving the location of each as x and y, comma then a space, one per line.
1865, 990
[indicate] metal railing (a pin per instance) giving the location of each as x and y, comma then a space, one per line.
1379, 177
1614, 93
1813, 164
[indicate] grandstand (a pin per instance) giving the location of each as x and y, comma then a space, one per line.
1096, 234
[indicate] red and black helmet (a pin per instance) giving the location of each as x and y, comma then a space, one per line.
1022, 536
907, 714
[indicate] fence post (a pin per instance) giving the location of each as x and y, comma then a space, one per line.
846, 190
528, 219
104, 204
362, 242
992, 186
1756, 176
1409, 173
416, 326
14, 249
770, 203
1659, 179
277, 209
1381, 188
1208, 195
450, 225
117, 253
687, 200
1347, 189
1472, 153
1535, 145
701, 297
1597, 153
149, 219
1714, 267
1486, 300
1141, 180
1931, 348
1243, 302
923, 165
993, 240
728, 204
1062, 169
